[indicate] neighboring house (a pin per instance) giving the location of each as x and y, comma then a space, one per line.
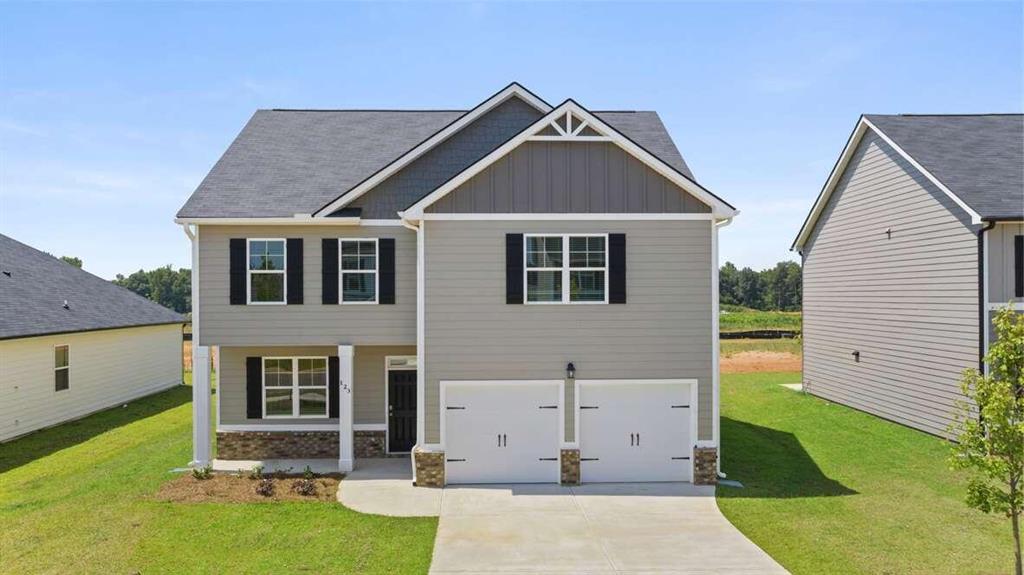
914, 242
72, 343
504, 291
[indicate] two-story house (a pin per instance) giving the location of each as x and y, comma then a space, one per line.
915, 241
520, 292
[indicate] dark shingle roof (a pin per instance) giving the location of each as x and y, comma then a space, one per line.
980, 158
286, 162
34, 286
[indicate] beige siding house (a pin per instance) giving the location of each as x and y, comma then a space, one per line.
519, 292
908, 250
72, 344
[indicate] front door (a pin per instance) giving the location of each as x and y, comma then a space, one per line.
401, 410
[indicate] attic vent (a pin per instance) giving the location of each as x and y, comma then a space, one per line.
66, 306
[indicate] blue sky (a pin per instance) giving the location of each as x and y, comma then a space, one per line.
111, 114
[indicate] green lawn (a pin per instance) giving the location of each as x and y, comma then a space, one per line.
736, 318
78, 499
832, 490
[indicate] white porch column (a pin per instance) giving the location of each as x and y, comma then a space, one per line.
346, 355
200, 405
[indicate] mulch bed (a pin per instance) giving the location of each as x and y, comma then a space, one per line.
233, 488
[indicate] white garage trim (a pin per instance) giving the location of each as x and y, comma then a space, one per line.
561, 399
693, 397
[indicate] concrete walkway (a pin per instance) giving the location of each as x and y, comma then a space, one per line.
597, 528
384, 487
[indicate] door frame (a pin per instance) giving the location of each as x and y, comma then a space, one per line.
694, 406
445, 384
387, 388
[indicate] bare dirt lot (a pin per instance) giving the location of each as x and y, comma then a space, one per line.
231, 488
755, 361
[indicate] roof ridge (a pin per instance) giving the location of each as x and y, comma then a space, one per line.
415, 111
901, 115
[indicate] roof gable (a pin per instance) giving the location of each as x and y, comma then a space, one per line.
35, 285
570, 122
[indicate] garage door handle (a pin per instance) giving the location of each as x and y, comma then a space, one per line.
638, 440
632, 439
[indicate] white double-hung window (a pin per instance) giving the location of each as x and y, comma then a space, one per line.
566, 268
295, 387
358, 271
266, 273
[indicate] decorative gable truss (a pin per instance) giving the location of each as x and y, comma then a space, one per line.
571, 122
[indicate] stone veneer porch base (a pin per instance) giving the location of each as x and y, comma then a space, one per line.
256, 445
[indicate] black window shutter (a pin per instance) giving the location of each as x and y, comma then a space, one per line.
1018, 266
254, 388
330, 271
387, 270
294, 267
238, 269
616, 268
513, 268
333, 391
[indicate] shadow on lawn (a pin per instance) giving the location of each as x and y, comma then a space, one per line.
771, 464
41, 443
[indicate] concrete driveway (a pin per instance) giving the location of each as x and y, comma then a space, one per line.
597, 528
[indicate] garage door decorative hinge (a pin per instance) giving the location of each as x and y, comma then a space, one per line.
588, 407
547, 459
590, 459
676, 458
452, 407
454, 460
547, 407
680, 407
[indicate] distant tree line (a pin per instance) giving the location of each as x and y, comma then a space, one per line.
774, 289
165, 286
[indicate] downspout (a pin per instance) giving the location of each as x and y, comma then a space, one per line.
419, 344
716, 399
983, 294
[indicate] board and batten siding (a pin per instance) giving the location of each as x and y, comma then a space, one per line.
1000, 261
310, 323
663, 331
908, 304
107, 368
559, 177
368, 386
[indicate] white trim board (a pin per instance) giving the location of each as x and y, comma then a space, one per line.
719, 208
512, 90
561, 217
863, 125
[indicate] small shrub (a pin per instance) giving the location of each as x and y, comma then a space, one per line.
305, 486
202, 473
308, 473
256, 472
265, 487
282, 473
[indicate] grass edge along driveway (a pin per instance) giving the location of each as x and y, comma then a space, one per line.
78, 498
829, 489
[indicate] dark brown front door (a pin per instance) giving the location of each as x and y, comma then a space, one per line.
401, 410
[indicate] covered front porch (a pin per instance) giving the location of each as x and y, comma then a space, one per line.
288, 406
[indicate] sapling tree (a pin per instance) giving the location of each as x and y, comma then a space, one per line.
989, 427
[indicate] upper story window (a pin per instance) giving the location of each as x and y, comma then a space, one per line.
294, 387
61, 367
359, 271
266, 275
566, 268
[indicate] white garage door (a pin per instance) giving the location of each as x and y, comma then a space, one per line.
502, 431
639, 430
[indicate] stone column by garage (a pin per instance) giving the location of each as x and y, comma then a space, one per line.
429, 468
705, 465
570, 466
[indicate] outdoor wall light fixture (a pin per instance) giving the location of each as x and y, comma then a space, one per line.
570, 371
856, 355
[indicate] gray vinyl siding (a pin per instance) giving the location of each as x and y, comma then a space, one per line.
368, 387
664, 331
447, 159
311, 323
1000, 261
909, 304
558, 177
107, 368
